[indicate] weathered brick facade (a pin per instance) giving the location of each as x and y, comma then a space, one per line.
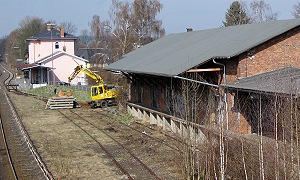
281, 51
150, 91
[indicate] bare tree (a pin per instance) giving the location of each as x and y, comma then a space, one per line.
296, 11
144, 21
16, 46
98, 31
69, 27
261, 11
95, 29
134, 24
84, 38
120, 15
2, 44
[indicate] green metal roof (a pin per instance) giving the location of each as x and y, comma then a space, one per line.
178, 52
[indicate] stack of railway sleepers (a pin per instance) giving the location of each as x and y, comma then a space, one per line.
62, 102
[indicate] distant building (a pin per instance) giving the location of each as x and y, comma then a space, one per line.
96, 56
51, 58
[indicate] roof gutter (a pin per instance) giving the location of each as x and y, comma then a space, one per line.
192, 80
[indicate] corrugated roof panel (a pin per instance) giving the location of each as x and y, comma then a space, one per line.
176, 53
285, 80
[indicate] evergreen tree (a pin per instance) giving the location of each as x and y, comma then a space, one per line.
236, 14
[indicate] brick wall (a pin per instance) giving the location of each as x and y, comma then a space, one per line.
147, 85
279, 52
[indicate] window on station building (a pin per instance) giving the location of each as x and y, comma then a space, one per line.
56, 45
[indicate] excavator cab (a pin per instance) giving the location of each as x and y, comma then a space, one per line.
102, 95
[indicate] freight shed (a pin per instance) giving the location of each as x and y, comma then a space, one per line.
193, 75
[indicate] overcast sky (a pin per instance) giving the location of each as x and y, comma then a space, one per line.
176, 15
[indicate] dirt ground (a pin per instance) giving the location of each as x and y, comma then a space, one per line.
71, 154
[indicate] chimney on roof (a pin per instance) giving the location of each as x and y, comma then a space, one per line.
50, 26
62, 32
189, 29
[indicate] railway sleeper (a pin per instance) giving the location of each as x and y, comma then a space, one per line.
12, 126
16, 131
29, 167
20, 143
29, 154
22, 161
17, 142
25, 159
23, 150
27, 176
32, 168
24, 144
23, 173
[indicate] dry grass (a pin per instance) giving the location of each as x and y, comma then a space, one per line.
69, 153
66, 150
48, 91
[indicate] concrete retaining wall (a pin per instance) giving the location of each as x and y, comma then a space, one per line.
168, 122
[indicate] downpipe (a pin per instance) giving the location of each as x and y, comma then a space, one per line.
225, 94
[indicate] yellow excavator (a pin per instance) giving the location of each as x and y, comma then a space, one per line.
101, 94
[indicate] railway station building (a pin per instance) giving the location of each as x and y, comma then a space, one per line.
51, 58
241, 77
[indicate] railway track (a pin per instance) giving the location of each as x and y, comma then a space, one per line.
127, 162
19, 158
139, 128
123, 158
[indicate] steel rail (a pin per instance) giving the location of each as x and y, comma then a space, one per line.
121, 145
28, 141
8, 151
145, 134
126, 149
102, 147
21, 127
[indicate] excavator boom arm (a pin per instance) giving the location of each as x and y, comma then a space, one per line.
74, 73
88, 72
93, 75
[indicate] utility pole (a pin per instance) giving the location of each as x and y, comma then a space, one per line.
51, 25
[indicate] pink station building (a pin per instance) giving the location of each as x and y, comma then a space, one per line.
52, 59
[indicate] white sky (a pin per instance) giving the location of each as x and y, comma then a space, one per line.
176, 15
